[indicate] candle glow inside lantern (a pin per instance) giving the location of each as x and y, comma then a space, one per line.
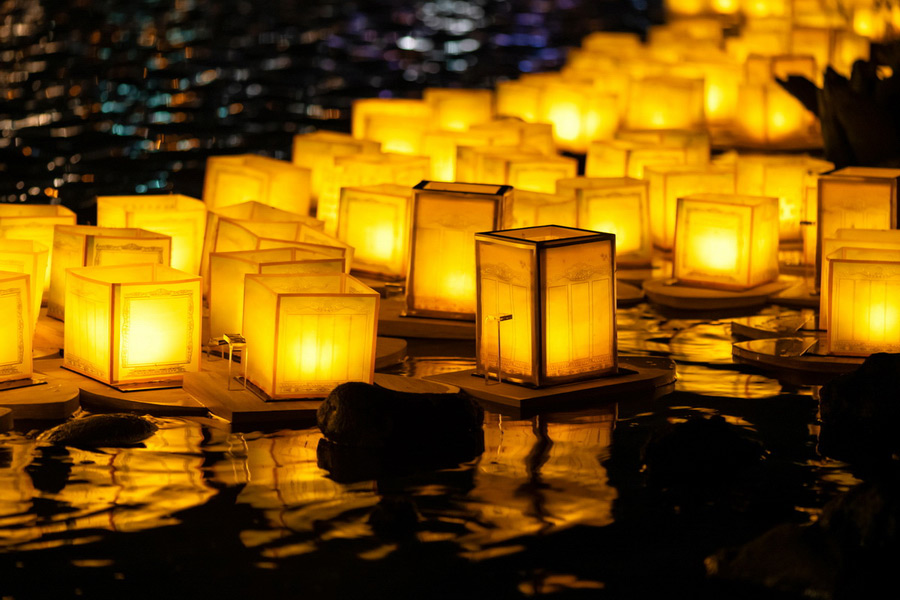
34, 222
456, 109
89, 246
532, 172
396, 123
726, 241
579, 112
445, 219
317, 150
666, 103
514, 132
696, 143
548, 292
180, 217
442, 147
24, 256
374, 220
246, 177
858, 198
128, 325
307, 334
536, 208
16, 327
769, 116
864, 305
518, 99
625, 158
617, 205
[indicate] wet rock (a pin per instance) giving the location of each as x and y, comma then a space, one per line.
96, 431
866, 520
860, 411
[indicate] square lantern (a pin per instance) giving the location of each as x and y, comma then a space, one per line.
34, 222
396, 123
16, 327
696, 143
317, 150
763, 70
374, 221
617, 205
536, 208
226, 279
515, 132
132, 325
666, 103
519, 99
471, 160
726, 241
615, 43
24, 256
445, 219
546, 305
858, 198
721, 79
180, 217
442, 147
307, 334
579, 112
864, 306
233, 237
669, 183
532, 172
626, 158
456, 109
769, 116
88, 246
245, 177
830, 47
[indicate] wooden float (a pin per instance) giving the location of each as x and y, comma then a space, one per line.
668, 292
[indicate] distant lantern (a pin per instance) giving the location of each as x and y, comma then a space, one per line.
617, 205
669, 183
445, 219
87, 246
374, 220
765, 69
519, 99
769, 116
442, 147
864, 307
696, 143
514, 132
666, 103
626, 158
226, 276
307, 334
180, 217
471, 161
16, 327
532, 172
546, 305
245, 177
24, 256
617, 43
132, 325
536, 208
396, 123
830, 47
726, 241
721, 79
457, 109
579, 112
317, 150
34, 222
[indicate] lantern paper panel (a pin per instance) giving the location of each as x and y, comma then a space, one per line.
666, 103
536, 208
226, 277
579, 113
445, 219
16, 327
234, 237
769, 116
24, 256
758, 40
471, 161
129, 324
180, 217
247, 177
617, 205
864, 306
514, 132
830, 47
456, 109
558, 286
615, 43
317, 150
721, 79
307, 334
764, 70
396, 123
624, 158
442, 146
518, 99
374, 221
89, 246
669, 183
34, 222
726, 241
533, 173
696, 144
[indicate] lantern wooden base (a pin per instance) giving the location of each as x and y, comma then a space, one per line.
639, 276
392, 323
51, 398
6, 419
798, 295
648, 376
794, 360
627, 294
763, 327
667, 292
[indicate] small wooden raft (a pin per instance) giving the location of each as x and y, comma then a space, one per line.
665, 292
50, 398
794, 359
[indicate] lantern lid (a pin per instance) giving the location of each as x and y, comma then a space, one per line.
160, 201
547, 235
852, 254
111, 232
866, 172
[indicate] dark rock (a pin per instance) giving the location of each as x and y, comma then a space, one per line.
866, 519
860, 411
100, 430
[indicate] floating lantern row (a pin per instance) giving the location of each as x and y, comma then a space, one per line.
31, 258
16, 327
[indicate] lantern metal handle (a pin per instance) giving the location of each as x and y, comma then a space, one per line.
487, 371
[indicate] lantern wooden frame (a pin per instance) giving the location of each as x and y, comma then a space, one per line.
17, 326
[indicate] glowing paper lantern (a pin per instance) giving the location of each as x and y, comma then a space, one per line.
625, 158
535, 173
617, 205
307, 334
769, 116
246, 177
226, 276
471, 160
696, 144
445, 219
16, 327
615, 43
442, 146
396, 123
721, 79
129, 325
23, 256
87, 246
666, 103
34, 222
234, 237
536, 208
760, 40
763, 70
549, 294
830, 47
668, 183
579, 113
375, 222
726, 241
180, 217
316, 151
519, 99
513, 132
456, 109
864, 306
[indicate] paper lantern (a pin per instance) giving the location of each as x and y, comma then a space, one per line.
579, 113
226, 276
753, 39
88, 246
536, 208
246, 177
132, 325
696, 144
442, 146
24, 256
726, 241
307, 334
519, 99
546, 305
375, 222
614, 43
666, 103
763, 70
830, 47
179, 217
759, 9
767, 115
721, 79
535, 173
316, 151
514, 132
864, 307
445, 219
668, 183
617, 205
233, 237
34, 222
625, 158
396, 123
471, 160
16, 327
456, 109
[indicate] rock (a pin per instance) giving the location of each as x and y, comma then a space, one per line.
96, 431
866, 520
